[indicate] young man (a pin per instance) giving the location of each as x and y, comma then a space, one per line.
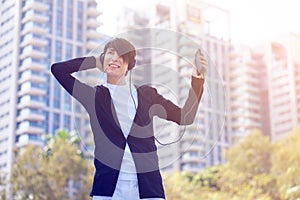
121, 118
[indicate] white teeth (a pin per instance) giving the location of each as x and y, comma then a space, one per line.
113, 65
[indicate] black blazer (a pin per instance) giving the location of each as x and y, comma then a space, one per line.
108, 137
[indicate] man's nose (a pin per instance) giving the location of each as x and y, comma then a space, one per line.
115, 56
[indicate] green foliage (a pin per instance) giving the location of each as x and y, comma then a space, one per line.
286, 165
247, 172
45, 173
208, 177
252, 155
3, 183
255, 169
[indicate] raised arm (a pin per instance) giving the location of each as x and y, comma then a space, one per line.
186, 114
166, 109
62, 72
189, 110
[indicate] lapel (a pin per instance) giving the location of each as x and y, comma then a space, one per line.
108, 103
104, 101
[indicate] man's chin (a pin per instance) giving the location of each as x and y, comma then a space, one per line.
114, 73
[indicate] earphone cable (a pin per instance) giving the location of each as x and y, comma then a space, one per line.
135, 106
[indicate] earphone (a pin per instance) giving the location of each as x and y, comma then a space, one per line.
130, 65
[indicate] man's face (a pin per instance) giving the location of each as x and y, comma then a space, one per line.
114, 65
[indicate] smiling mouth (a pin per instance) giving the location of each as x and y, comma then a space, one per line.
113, 65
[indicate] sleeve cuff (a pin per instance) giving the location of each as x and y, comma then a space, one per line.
199, 76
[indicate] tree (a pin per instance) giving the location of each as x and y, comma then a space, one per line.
29, 179
246, 174
175, 186
255, 169
3, 183
190, 186
45, 173
252, 155
286, 165
208, 177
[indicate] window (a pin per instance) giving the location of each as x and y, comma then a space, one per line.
67, 122
56, 97
68, 51
79, 20
58, 51
78, 51
59, 18
67, 101
70, 19
56, 120
77, 124
46, 122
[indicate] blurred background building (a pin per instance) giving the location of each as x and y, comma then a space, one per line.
281, 84
246, 87
193, 23
34, 34
245, 91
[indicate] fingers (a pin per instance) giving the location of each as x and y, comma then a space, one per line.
201, 62
98, 63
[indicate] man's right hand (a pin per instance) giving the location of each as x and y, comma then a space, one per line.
98, 63
201, 63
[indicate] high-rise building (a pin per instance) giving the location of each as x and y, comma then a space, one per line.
259, 65
282, 67
203, 143
213, 125
246, 90
34, 34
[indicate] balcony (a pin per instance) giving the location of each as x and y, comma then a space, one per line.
34, 17
240, 70
31, 104
190, 159
234, 64
26, 128
184, 42
92, 33
25, 140
35, 5
93, 23
237, 104
32, 91
240, 93
92, 11
34, 41
33, 28
32, 66
31, 116
91, 45
33, 54
192, 147
32, 78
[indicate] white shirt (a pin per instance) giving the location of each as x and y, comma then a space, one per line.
125, 103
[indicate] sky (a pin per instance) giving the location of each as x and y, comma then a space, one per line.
251, 21
255, 21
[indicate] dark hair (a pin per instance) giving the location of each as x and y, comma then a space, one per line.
124, 49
